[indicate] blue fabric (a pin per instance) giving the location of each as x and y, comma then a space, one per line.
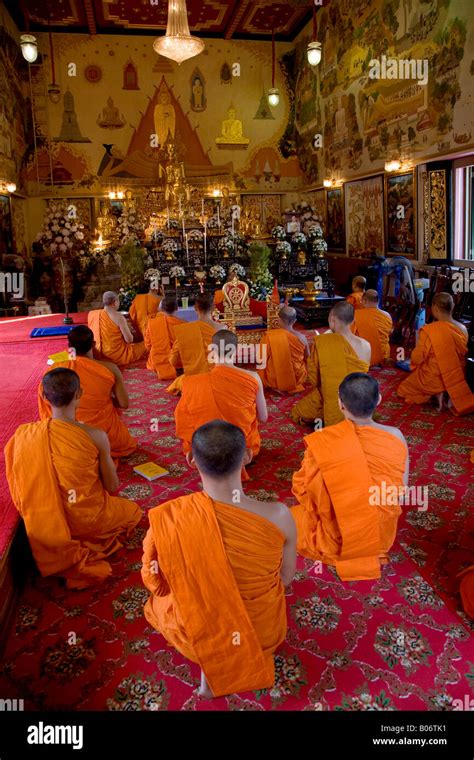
45, 332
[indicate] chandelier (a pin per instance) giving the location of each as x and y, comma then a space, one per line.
178, 44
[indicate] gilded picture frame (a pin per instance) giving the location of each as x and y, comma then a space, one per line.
400, 214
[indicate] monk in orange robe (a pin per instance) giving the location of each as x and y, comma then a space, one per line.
160, 337
113, 337
333, 356
190, 348
438, 362
226, 392
103, 390
349, 486
144, 306
219, 294
216, 564
358, 290
286, 354
375, 326
61, 474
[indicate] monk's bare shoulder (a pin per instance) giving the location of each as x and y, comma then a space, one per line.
277, 513
301, 337
393, 430
249, 372
99, 437
364, 349
110, 366
389, 316
461, 327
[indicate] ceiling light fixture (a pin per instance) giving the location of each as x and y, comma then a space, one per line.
313, 51
54, 90
29, 47
178, 44
273, 94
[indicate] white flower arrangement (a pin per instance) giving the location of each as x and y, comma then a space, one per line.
237, 269
217, 272
195, 236
320, 246
299, 239
61, 232
177, 272
226, 244
129, 225
283, 248
152, 274
315, 231
278, 232
170, 245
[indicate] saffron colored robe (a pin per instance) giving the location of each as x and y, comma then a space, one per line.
142, 308
190, 350
438, 364
336, 522
375, 326
224, 393
109, 341
331, 359
95, 407
159, 339
71, 521
218, 574
356, 300
285, 361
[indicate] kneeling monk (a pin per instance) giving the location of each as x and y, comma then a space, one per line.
358, 290
334, 355
60, 473
103, 390
286, 354
216, 563
160, 336
375, 326
438, 362
226, 393
113, 337
348, 469
144, 306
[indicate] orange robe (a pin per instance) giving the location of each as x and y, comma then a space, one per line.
96, 407
224, 393
375, 326
438, 364
190, 350
332, 358
72, 523
159, 339
192, 541
218, 297
142, 308
335, 520
285, 361
356, 300
109, 341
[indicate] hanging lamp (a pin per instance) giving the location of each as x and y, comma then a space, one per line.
273, 94
178, 44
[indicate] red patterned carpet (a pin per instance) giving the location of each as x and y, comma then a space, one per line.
391, 644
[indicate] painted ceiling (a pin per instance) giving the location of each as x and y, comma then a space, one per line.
238, 19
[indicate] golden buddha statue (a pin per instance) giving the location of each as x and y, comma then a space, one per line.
232, 131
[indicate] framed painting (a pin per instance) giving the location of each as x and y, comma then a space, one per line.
364, 217
335, 219
400, 214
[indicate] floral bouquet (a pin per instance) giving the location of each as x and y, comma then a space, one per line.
260, 278
299, 239
238, 270
213, 222
177, 273
227, 243
129, 226
157, 236
315, 231
63, 233
153, 277
278, 232
195, 236
170, 245
217, 272
283, 248
126, 297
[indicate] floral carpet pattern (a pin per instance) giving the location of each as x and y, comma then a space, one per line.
397, 643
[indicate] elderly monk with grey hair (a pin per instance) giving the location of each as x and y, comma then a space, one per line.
286, 351
112, 335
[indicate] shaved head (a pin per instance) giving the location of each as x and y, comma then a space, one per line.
359, 282
371, 296
360, 394
287, 315
60, 386
204, 302
444, 302
109, 298
81, 338
218, 448
343, 311
223, 346
169, 304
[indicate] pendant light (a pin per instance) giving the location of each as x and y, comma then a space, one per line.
313, 51
29, 47
273, 94
178, 43
54, 90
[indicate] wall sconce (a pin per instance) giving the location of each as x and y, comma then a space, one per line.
393, 166
333, 182
120, 195
112, 195
7, 187
29, 47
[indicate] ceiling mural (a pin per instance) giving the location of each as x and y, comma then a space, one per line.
240, 19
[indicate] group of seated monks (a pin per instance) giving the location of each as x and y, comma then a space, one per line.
62, 474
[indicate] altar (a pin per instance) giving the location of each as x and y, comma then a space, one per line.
314, 312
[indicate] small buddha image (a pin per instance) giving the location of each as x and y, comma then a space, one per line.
110, 117
164, 117
198, 100
232, 130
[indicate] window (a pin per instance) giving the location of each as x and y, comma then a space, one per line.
464, 209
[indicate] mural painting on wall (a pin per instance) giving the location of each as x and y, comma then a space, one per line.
164, 116
70, 131
259, 214
13, 111
335, 215
226, 74
364, 217
317, 200
387, 86
130, 77
19, 226
232, 132
198, 92
264, 111
110, 117
267, 168
401, 214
